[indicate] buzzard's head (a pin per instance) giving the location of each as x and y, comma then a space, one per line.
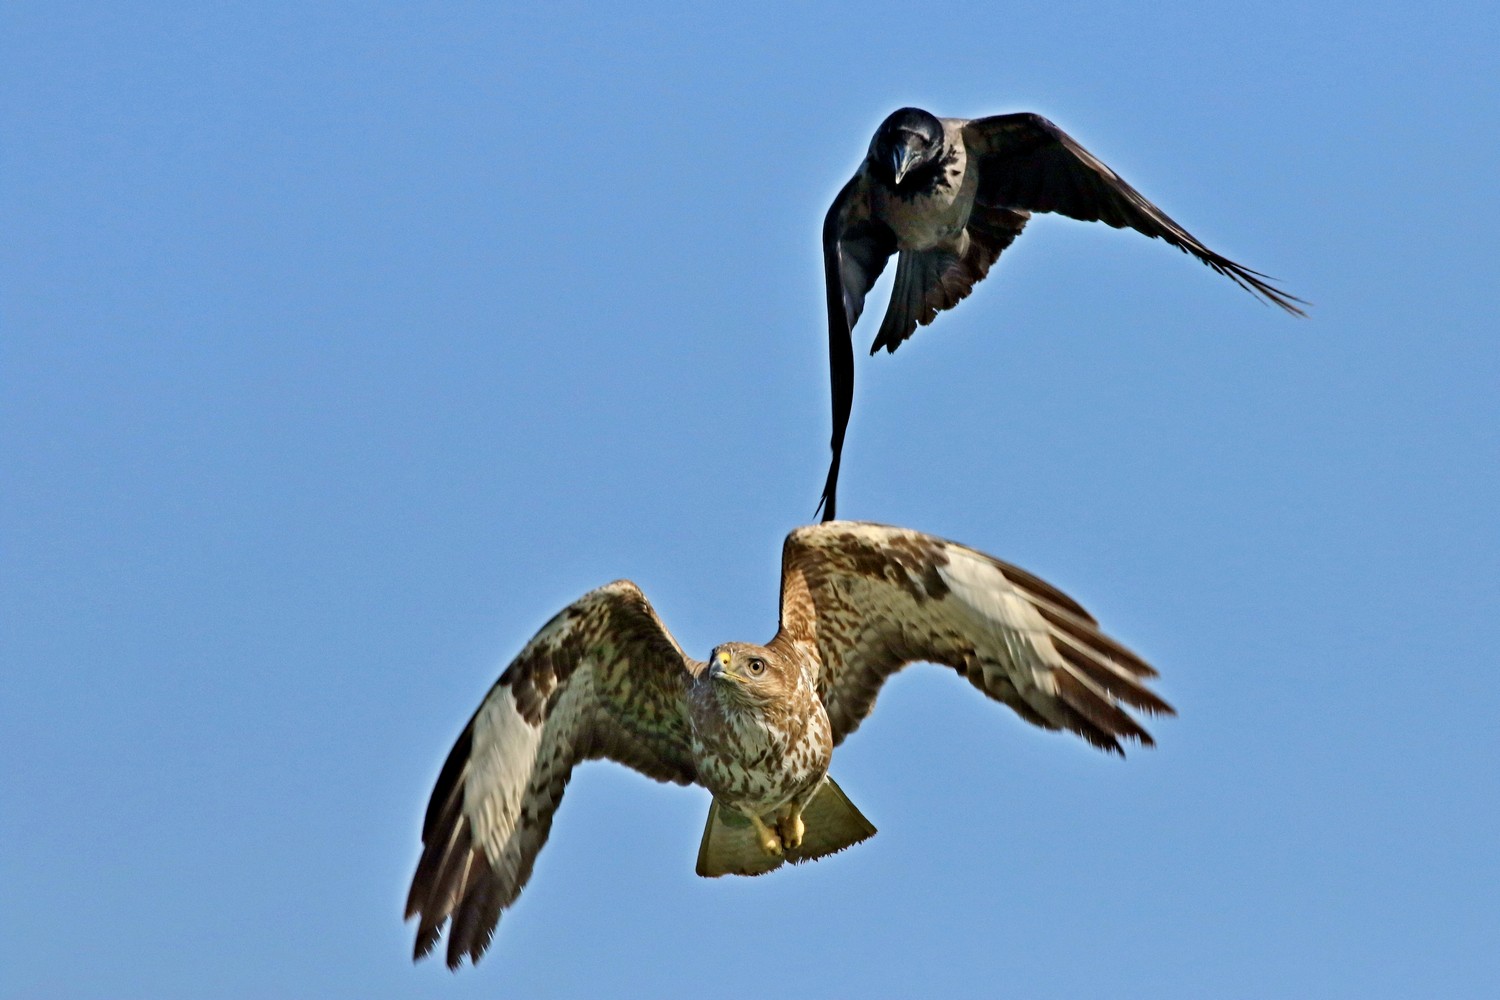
906, 142
751, 674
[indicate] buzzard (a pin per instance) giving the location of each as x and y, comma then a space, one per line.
949, 195
755, 725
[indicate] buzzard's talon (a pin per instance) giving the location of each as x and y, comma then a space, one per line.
791, 828
769, 841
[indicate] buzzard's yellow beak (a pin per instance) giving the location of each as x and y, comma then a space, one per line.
719, 668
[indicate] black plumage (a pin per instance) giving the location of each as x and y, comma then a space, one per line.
949, 195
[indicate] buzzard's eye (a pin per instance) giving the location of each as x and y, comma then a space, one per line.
756, 666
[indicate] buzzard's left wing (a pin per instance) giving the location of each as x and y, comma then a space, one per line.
874, 598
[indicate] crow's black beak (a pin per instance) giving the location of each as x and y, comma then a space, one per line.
902, 159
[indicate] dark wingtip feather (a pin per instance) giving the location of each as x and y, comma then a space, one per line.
1089, 636
1117, 685
1250, 280
427, 937
476, 915
1103, 720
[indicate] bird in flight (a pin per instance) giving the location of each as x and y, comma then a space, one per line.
755, 725
948, 195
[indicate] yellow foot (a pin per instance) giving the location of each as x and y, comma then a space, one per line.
792, 829
769, 842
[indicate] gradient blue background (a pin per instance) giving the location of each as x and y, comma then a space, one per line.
343, 344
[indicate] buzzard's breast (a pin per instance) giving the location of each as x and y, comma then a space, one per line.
750, 762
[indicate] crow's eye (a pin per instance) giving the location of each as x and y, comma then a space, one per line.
756, 666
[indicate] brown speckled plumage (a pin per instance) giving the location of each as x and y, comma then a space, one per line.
757, 724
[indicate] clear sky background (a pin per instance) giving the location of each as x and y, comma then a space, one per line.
343, 344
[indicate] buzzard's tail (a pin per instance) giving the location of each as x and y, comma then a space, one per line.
730, 846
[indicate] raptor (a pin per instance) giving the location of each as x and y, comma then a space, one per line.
754, 724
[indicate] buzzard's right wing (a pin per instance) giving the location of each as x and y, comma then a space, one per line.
604, 678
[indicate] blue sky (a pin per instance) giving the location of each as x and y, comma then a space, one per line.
344, 344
